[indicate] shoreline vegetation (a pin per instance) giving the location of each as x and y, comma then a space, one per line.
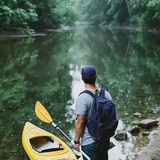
24, 18
7, 34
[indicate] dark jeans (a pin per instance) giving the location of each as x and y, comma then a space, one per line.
97, 150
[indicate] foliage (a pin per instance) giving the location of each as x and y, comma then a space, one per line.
14, 17
144, 14
55, 13
27, 14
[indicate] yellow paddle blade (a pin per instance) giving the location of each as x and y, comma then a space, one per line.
42, 113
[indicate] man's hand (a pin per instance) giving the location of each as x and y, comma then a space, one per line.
76, 147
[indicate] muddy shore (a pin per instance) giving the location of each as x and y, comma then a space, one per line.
151, 151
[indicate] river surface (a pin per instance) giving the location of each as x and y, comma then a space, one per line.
47, 69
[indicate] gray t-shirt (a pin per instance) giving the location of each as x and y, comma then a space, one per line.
83, 107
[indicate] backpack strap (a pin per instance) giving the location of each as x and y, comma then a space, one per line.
102, 92
88, 92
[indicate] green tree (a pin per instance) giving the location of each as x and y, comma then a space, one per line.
141, 13
26, 14
17, 15
55, 13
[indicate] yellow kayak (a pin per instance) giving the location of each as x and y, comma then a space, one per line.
42, 145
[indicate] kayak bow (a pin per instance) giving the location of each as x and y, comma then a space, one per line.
42, 145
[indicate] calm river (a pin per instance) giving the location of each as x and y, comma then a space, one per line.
46, 69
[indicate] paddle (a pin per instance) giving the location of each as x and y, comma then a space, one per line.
43, 115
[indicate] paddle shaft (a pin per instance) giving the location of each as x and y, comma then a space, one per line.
43, 115
56, 127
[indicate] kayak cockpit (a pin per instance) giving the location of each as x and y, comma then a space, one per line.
45, 144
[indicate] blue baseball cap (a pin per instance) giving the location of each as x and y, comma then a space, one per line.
88, 71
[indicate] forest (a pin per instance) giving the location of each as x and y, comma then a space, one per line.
28, 16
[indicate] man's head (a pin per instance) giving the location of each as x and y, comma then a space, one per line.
88, 74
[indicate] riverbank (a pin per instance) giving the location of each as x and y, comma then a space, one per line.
6, 36
152, 151
18, 34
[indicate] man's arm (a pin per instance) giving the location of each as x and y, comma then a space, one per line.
79, 128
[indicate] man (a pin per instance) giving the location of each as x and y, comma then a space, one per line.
94, 149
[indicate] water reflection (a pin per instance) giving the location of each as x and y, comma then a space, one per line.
47, 69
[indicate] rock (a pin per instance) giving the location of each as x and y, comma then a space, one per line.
155, 110
135, 130
135, 122
137, 114
111, 145
145, 133
121, 136
147, 123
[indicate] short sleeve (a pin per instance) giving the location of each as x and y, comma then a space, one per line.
80, 105
108, 96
